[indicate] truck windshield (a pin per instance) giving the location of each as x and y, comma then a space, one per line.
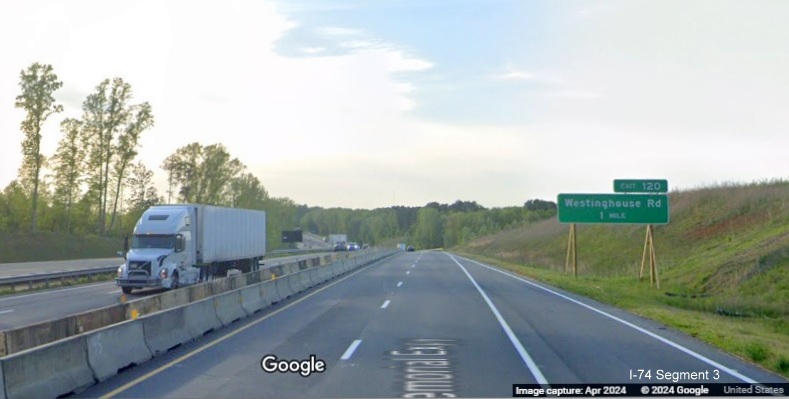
154, 241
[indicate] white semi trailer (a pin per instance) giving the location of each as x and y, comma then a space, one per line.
183, 244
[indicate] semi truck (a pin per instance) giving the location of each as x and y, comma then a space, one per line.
183, 244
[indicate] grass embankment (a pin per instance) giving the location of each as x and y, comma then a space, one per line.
723, 264
43, 246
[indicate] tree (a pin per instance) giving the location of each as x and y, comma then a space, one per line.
143, 192
429, 228
203, 173
68, 164
126, 149
247, 192
38, 83
539, 205
112, 129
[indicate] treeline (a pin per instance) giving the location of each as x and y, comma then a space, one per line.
93, 184
431, 226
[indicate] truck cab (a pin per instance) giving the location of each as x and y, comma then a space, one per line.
162, 252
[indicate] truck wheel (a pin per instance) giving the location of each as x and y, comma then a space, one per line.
174, 284
126, 290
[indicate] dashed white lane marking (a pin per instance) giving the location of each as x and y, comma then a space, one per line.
349, 352
385, 304
114, 292
6, 311
399, 284
408, 272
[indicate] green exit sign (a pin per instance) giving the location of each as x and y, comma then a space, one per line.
640, 186
613, 208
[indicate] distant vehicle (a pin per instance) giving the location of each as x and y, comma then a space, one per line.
335, 239
175, 245
353, 246
340, 246
401, 246
410, 249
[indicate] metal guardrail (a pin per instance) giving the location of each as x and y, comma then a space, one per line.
44, 277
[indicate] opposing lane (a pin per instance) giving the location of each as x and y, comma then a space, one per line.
28, 268
26, 308
424, 309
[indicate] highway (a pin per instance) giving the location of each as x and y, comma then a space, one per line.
427, 324
26, 308
25, 268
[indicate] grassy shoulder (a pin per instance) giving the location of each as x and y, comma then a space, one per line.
760, 340
45, 246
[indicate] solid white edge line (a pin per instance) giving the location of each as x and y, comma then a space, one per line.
349, 352
385, 304
535, 371
677, 346
6, 311
399, 284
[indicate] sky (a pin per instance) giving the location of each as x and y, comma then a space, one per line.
368, 104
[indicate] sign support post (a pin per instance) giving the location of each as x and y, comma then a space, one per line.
649, 246
572, 250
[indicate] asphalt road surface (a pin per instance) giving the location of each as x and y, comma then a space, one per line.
427, 324
27, 308
26, 268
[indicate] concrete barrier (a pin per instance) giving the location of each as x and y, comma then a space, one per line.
283, 287
115, 347
228, 307
251, 299
315, 277
293, 282
200, 317
237, 281
165, 330
101, 317
3, 347
31, 336
269, 290
219, 286
2, 382
48, 371
336, 269
198, 292
142, 306
304, 276
325, 273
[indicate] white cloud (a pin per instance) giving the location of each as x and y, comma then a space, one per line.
516, 75
576, 94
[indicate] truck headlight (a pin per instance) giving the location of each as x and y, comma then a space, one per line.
120, 271
163, 274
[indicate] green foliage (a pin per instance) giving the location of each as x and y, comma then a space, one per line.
202, 175
756, 351
112, 129
429, 230
45, 246
38, 83
783, 365
68, 163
